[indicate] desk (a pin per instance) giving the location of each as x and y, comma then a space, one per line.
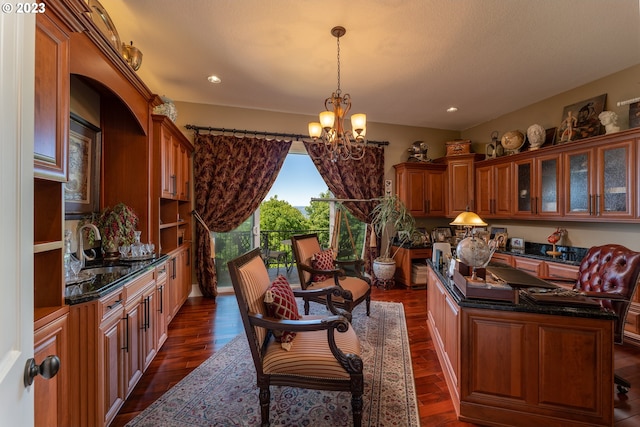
404, 258
521, 364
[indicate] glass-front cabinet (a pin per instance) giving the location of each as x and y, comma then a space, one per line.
600, 181
537, 187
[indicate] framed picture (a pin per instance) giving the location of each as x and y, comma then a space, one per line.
81, 191
517, 245
501, 239
550, 137
495, 230
580, 120
634, 115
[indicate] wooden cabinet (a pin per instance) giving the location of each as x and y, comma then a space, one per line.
443, 319
460, 184
162, 307
51, 338
421, 186
405, 257
494, 190
178, 279
51, 130
532, 266
537, 188
502, 258
175, 152
601, 181
510, 367
104, 391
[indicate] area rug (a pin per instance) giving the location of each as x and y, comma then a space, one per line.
223, 392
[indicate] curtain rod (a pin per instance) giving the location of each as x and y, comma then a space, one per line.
298, 136
319, 199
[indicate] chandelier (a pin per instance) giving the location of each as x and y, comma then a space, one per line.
330, 131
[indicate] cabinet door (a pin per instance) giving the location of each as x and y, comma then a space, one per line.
460, 191
532, 266
484, 191
615, 180
435, 193
162, 307
134, 321
112, 333
52, 83
547, 186
184, 173
503, 190
168, 163
412, 190
149, 327
51, 408
525, 198
579, 187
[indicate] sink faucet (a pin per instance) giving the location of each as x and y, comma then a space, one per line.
80, 252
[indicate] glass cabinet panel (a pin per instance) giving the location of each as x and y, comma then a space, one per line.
524, 187
578, 186
549, 186
614, 180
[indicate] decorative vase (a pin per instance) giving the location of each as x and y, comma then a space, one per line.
384, 269
110, 250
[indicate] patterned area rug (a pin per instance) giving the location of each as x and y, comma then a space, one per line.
223, 392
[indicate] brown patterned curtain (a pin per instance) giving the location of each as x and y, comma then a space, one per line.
354, 179
232, 177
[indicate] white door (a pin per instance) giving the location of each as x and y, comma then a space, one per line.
17, 47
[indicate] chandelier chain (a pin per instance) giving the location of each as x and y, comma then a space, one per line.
338, 42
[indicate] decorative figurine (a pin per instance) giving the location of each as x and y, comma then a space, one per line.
554, 238
609, 120
418, 152
536, 136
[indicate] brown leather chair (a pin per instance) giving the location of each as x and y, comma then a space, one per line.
609, 274
357, 287
325, 353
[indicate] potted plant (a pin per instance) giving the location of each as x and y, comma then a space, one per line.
389, 218
117, 227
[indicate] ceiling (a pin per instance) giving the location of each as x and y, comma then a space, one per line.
402, 61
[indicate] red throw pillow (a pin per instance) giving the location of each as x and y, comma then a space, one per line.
281, 304
322, 261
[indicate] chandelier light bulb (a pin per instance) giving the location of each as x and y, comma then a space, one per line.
327, 119
315, 130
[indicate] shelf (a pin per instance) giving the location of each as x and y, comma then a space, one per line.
39, 247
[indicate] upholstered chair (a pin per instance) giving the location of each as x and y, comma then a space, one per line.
318, 269
324, 352
609, 273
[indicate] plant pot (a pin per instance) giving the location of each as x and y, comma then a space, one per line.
384, 268
110, 250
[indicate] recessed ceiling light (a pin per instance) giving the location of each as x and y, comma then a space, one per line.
214, 79
452, 109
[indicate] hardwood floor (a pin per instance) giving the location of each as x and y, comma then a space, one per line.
202, 327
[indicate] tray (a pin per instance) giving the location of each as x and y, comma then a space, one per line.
82, 277
482, 289
138, 258
561, 297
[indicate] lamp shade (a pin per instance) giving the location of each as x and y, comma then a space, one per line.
358, 122
327, 118
315, 130
468, 219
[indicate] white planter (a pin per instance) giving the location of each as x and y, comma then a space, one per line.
384, 268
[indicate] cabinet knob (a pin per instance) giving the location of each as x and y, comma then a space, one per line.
47, 369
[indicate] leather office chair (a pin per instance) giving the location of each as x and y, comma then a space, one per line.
609, 274
324, 355
357, 287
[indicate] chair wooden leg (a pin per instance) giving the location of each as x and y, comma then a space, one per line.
623, 385
306, 307
265, 400
368, 302
356, 409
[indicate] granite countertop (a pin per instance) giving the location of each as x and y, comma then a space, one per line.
523, 304
103, 284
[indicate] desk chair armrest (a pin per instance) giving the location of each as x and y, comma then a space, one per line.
357, 265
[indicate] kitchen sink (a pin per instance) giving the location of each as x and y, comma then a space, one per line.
113, 269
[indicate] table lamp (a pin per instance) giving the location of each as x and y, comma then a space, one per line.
471, 250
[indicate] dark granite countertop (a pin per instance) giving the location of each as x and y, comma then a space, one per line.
523, 304
103, 284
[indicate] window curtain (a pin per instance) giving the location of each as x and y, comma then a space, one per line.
354, 179
232, 175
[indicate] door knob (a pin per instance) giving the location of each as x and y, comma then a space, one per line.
48, 369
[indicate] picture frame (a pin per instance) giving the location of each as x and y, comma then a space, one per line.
495, 230
501, 238
580, 120
517, 245
82, 189
550, 136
